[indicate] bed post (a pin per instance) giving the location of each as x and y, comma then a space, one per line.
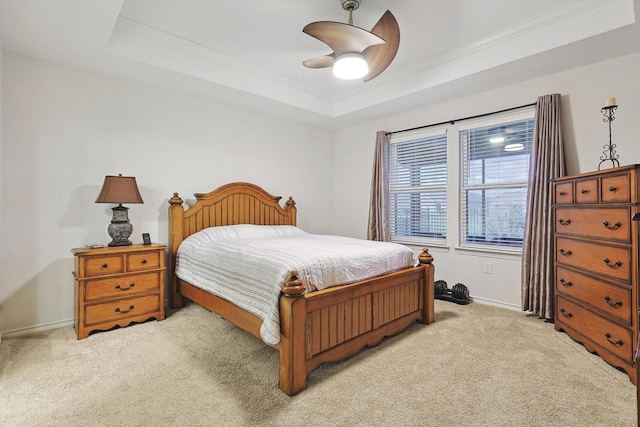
291, 208
426, 260
293, 313
176, 211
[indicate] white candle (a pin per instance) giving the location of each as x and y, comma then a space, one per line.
609, 102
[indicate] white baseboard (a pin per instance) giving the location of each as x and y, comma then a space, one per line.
499, 304
37, 328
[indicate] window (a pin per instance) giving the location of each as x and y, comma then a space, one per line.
418, 188
495, 171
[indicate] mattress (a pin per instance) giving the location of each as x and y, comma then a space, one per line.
246, 264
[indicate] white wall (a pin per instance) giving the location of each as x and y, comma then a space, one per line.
583, 93
65, 129
1, 187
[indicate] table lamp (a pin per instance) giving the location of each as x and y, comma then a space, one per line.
119, 189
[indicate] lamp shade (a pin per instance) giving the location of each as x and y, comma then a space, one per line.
119, 189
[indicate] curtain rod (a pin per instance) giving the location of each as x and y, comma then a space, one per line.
461, 119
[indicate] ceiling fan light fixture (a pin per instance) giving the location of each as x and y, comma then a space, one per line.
350, 66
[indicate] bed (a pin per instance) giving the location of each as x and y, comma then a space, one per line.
327, 325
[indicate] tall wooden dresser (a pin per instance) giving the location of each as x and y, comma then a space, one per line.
596, 262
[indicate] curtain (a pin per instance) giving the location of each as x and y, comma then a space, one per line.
379, 206
547, 163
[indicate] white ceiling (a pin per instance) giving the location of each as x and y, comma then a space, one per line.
250, 52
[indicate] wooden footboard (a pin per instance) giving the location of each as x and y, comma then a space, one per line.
333, 324
323, 326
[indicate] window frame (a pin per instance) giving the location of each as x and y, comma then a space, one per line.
497, 120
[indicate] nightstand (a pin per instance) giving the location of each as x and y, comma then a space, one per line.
115, 286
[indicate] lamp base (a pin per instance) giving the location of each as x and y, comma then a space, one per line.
120, 243
120, 228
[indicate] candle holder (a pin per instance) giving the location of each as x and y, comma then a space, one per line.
609, 154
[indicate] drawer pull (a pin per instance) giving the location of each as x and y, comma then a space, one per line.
563, 222
618, 343
131, 285
615, 304
612, 189
564, 283
612, 227
124, 311
616, 265
584, 191
565, 314
144, 261
562, 193
565, 253
105, 265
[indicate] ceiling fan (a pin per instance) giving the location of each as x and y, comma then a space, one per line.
357, 53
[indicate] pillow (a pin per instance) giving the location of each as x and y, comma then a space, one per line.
247, 231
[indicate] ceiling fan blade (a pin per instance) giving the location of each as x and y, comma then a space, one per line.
380, 56
342, 38
320, 61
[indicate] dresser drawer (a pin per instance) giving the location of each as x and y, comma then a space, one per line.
563, 193
615, 189
603, 332
122, 286
104, 265
143, 260
603, 223
611, 299
608, 260
122, 309
587, 191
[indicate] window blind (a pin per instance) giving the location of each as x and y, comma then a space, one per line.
418, 188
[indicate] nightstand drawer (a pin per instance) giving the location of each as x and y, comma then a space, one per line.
116, 310
143, 261
103, 265
121, 286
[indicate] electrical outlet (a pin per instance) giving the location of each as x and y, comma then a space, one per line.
487, 267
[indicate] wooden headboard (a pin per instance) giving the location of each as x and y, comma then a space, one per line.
234, 203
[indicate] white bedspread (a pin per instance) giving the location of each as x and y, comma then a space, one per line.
245, 264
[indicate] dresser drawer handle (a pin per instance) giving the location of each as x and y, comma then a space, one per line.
615, 304
612, 227
564, 283
131, 285
565, 314
564, 253
562, 193
618, 343
105, 265
584, 191
612, 189
144, 261
124, 311
563, 222
616, 265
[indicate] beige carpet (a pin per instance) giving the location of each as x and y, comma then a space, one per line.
476, 366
